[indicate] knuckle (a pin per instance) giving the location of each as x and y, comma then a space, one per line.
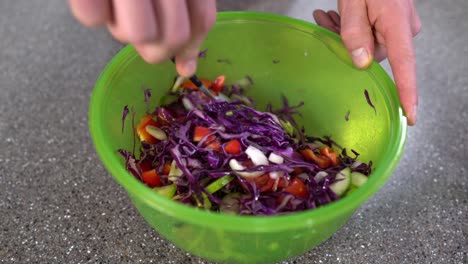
134, 36
417, 27
177, 39
151, 54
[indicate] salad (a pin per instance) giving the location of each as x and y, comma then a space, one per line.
226, 156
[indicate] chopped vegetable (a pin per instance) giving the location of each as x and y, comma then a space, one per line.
143, 134
124, 115
218, 84
366, 94
202, 54
321, 161
358, 179
228, 157
297, 188
151, 178
233, 147
167, 191
342, 182
331, 155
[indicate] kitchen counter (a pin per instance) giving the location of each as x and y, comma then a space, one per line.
59, 205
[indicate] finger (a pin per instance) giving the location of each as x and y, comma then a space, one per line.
117, 32
91, 12
335, 17
134, 23
380, 52
324, 20
356, 32
173, 21
416, 24
399, 42
202, 18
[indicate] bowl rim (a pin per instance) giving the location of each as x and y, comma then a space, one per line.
250, 224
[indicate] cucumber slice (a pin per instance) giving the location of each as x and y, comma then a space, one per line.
358, 179
219, 183
230, 203
167, 191
175, 172
344, 182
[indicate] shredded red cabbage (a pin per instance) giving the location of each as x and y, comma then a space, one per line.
369, 102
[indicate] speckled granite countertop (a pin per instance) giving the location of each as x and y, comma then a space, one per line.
58, 204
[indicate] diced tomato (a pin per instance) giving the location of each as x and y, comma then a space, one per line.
145, 121
330, 154
151, 178
297, 171
167, 168
145, 166
283, 182
297, 188
190, 85
263, 182
233, 147
211, 142
321, 161
218, 84
214, 145
200, 132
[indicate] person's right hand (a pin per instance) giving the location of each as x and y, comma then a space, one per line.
159, 29
377, 28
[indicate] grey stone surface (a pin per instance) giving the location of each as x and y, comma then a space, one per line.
59, 205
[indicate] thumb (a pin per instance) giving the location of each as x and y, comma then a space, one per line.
356, 32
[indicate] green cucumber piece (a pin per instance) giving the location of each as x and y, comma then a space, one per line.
358, 179
212, 188
230, 203
167, 191
206, 202
344, 182
219, 183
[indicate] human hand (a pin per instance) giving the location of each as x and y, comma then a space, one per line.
159, 29
374, 29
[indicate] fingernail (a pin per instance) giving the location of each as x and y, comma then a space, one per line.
189, 68
361, 57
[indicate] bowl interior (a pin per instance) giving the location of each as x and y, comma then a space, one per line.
283, 56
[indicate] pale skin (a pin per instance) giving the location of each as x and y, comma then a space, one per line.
161, 29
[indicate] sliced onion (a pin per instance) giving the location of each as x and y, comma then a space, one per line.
256, 156
320, 175
275, 158
238, 168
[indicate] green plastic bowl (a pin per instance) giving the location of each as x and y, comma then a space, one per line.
283, 56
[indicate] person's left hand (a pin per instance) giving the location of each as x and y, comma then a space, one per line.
373, 29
